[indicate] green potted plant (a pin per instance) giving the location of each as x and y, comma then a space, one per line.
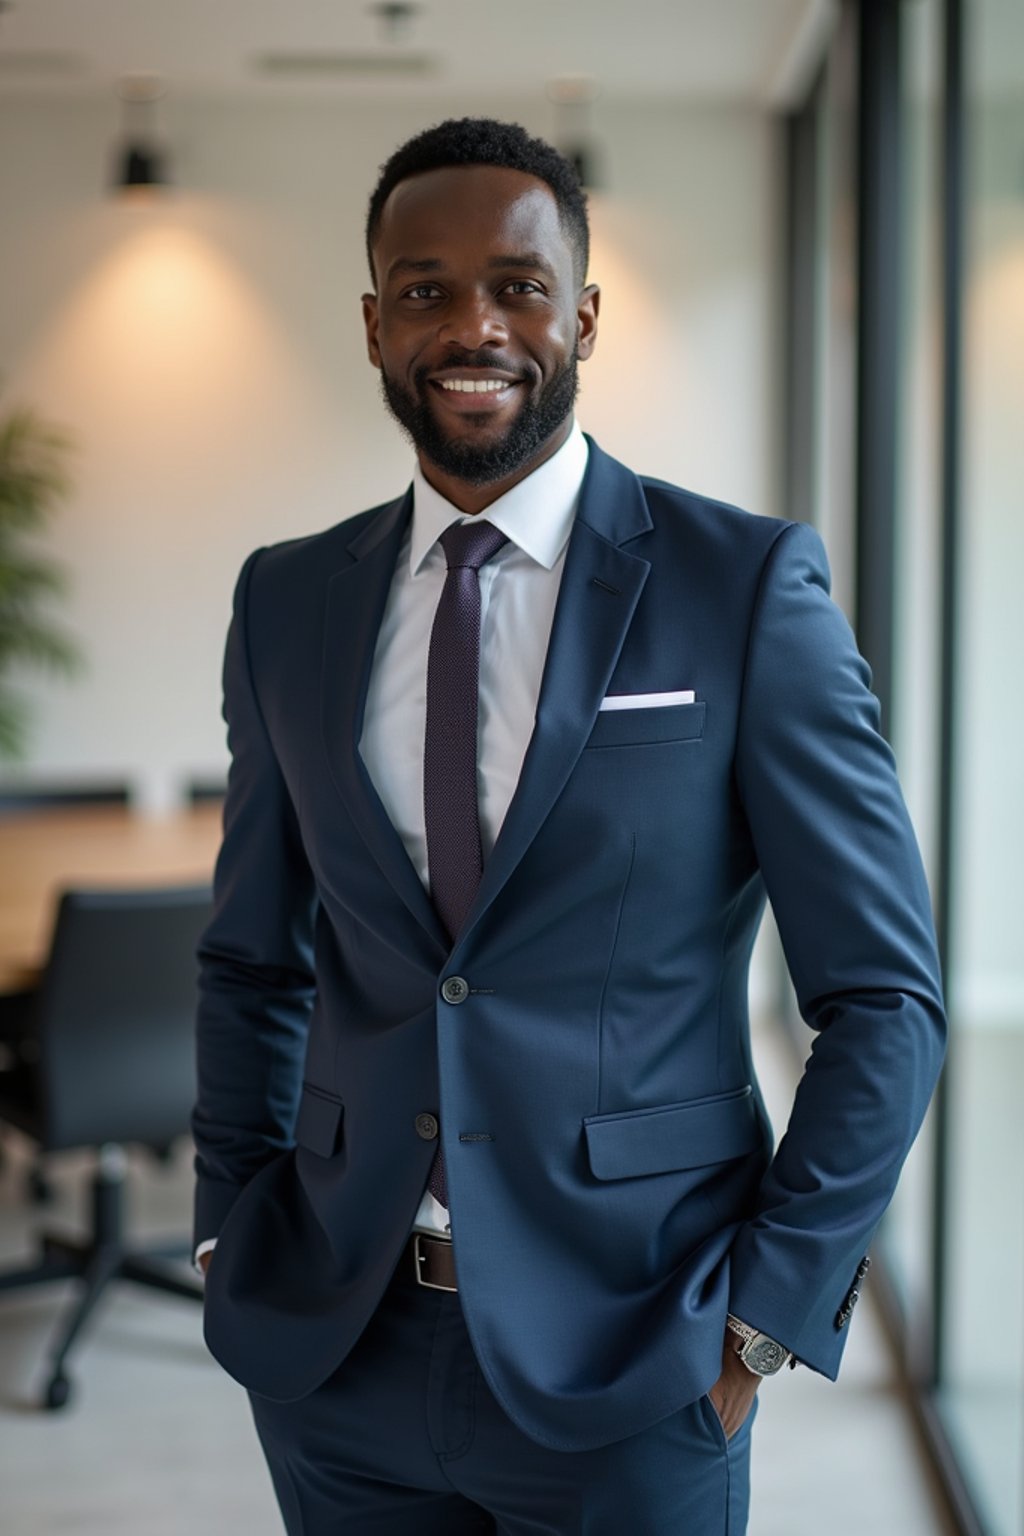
33, 481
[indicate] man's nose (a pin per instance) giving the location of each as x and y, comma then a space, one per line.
474, 320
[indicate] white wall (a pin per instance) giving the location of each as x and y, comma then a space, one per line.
207, 354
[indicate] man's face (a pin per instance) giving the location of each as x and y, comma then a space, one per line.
478, 320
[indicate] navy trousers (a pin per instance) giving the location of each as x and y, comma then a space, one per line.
406, 1439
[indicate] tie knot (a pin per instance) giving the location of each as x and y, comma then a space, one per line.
471, 544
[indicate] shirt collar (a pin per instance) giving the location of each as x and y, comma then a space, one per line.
537, 514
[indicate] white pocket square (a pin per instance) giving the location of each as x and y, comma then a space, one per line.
647, 700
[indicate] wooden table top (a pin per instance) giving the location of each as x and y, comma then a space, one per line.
45, 852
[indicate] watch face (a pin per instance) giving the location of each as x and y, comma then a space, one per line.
765, 1356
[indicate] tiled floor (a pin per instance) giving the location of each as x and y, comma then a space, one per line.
158, 1442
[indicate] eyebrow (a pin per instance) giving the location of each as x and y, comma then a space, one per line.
406, 264
513, 260
531, 259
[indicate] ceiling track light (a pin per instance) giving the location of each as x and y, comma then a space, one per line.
573, 97
396, 18
141, 162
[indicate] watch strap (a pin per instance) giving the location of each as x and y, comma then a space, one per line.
744, 1330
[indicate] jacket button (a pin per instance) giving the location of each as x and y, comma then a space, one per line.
842, 1318
426, 1126
454, 989
863, 1267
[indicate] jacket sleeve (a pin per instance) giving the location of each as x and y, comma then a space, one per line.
256, 982
843, 874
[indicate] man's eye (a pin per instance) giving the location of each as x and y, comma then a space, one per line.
522, 285
423, 291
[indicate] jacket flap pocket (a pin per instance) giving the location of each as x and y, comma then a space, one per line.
319, 1121
643, 727
672, 1137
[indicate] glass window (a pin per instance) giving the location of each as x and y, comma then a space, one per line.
981, 1395
907, 1236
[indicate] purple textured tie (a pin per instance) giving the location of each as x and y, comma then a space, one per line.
450, 809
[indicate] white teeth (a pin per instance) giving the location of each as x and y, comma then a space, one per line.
475, 386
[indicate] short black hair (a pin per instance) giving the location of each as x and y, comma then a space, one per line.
486, 141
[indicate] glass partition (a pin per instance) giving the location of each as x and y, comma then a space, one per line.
981, 1381
907, 1232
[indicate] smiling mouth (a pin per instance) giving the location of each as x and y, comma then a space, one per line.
474, 392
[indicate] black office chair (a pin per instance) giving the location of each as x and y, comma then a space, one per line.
206, 791
22, 799
109, 1060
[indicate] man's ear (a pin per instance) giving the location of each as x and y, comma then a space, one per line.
371, 320
586, 320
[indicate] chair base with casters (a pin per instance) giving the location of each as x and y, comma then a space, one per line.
97, 1260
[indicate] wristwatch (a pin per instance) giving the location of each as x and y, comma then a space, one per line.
759, 1353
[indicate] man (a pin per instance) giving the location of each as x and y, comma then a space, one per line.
501, 1242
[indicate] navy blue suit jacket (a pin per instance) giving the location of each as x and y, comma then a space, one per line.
613, 1187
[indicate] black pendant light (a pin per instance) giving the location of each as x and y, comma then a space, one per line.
574, 97
140, 165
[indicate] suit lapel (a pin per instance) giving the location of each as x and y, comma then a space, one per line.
600, 587
356, 598
601, 584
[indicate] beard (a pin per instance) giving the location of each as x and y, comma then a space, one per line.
482, 463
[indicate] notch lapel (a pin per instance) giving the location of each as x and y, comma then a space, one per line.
356, 598
600, 587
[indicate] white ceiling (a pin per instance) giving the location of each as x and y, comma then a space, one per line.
754, 50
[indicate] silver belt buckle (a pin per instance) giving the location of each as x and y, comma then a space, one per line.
420, 1258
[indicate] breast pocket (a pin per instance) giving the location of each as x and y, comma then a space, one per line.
648, 727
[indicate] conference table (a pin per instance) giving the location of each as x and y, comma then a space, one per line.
47, 851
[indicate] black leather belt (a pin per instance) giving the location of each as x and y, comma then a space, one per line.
432, 1261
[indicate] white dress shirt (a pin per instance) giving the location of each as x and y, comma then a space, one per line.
518, 592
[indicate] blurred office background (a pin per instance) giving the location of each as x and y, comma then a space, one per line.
808, 224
